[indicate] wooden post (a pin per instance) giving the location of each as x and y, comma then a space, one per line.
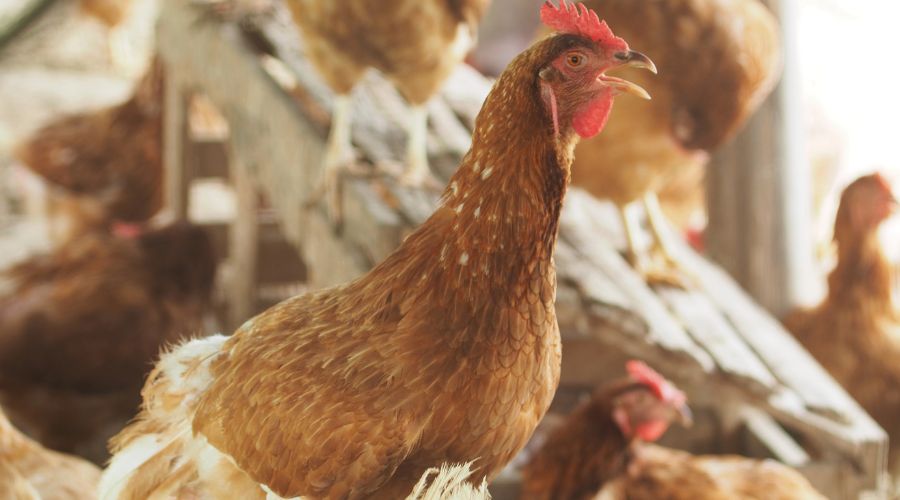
244, 243
759, 198
175, 141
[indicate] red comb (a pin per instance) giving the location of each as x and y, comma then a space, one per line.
879, 177
579, 20
663, 389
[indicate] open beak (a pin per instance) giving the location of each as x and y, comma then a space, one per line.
685, 416
634, 59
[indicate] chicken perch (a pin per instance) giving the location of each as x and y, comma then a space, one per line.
717, 60
414, 43
853, 333
603, 451
446, 352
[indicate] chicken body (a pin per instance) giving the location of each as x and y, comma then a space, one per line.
656, 472
30, 472
448, 351
415, 44
589, 456
104, 166
81, 326
855, 332
717, 61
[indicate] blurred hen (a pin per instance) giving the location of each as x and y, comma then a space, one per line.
855, 331
717, 61
28, 471
603, 450
414, 43
104, 167
80, 328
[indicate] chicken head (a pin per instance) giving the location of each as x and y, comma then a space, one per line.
650, 405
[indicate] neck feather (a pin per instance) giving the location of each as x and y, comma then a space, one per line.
862, 270
492, 237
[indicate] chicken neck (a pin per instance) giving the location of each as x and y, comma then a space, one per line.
862, 273
490, 242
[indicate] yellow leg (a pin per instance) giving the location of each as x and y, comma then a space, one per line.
339, 157
417, 173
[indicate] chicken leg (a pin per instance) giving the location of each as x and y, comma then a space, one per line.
658, 264
417, 173
339, 157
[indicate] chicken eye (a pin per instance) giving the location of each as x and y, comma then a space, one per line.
574, 59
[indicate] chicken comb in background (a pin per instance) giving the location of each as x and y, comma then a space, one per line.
579, 20
663, 389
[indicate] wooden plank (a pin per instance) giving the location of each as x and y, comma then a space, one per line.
707, 326
244, 245
662, 328
175, 138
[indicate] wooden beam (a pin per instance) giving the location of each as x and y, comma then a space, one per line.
175, 144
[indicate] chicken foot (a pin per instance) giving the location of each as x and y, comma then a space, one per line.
416, 172
339, 159
658, 264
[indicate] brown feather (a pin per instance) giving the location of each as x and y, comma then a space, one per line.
855, 331
82, 325
717, 61
30, 472
111, 158
407, 40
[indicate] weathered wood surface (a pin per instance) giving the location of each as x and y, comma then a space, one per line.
278, 109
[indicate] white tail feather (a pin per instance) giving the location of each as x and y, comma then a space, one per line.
449, 483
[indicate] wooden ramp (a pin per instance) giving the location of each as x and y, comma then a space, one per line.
760, 391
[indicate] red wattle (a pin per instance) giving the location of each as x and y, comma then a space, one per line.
591, 119
651, 431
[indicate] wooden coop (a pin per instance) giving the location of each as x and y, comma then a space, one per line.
754, 390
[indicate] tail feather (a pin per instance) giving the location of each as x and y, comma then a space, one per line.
449, 483
153, 457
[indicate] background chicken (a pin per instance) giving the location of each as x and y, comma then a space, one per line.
717, 61
601, 451
415, 43
855, 332
368, 384
30, 472
101, 167
80, 327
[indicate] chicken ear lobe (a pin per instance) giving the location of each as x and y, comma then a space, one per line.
549, 97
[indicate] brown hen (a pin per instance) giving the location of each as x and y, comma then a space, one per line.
28, 471
414, 43
855, 332
717, 60
80, 328
447, 351
602, 451
104, 166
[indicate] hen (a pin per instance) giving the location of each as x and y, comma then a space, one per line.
855, 332
80, 327
30, 472
414, 43
717, 59
357, 390
102, 167
601, 451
